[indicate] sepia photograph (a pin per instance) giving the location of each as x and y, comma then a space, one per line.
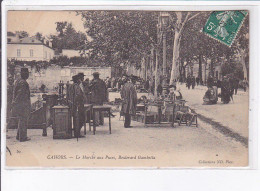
127, 89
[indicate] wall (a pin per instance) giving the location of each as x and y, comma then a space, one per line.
131, 70
70, 53
48, 53
88, 71
51, 76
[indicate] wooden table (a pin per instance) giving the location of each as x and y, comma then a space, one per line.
87, 107
140, 107
100, 108
159, 106
159, 111
181, 102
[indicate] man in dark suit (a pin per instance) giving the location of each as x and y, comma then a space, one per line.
193, 82
225, 90
21, 105
76, 103
83, 86
129, 97
98, 96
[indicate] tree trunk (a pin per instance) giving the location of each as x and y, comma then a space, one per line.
152, 62
191, 69
143, 65
175, 54
212, 63
200, 68
156, 73
184, 74
180, 69
243, 62
145, 68
205, 77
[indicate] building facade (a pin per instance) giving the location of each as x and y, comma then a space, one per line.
29, 49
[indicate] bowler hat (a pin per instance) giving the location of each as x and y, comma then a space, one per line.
81, 74
24, 70
95, 74
74, 78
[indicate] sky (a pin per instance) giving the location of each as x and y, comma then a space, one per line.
41, 21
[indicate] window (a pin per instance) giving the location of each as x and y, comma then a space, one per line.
9, 40
31, 52
18, 52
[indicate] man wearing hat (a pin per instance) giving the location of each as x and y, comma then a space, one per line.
129, 97
21, 104
98, 96
76, 103
70, 94
83, 85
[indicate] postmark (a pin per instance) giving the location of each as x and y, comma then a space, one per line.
224, 25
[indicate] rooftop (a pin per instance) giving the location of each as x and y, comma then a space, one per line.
28, 40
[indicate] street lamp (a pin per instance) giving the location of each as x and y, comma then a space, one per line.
164, 19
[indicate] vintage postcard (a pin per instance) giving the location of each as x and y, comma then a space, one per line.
157, 89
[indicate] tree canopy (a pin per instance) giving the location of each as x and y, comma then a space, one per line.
119, 36
22, 34
195, 45
68, 37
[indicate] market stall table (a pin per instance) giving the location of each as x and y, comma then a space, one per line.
160, 107
87, 108
100, 108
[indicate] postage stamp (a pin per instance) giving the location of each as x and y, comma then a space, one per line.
224, 25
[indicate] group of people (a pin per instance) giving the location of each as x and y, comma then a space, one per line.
78, 93
83, 92
229, 86
96, 92
191, 81
114, 83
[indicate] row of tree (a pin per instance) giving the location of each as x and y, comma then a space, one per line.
116, 37
129, 36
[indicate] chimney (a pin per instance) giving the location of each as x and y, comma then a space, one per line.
50, 44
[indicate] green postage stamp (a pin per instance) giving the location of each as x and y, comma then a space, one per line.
224, 25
